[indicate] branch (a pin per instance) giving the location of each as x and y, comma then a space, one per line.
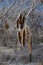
33, 7
8, 9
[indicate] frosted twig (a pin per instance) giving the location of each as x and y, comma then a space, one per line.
8, 9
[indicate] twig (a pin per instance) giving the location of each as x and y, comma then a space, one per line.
8, 9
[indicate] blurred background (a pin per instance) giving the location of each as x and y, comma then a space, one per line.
9, 48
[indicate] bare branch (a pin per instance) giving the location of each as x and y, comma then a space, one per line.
8, 9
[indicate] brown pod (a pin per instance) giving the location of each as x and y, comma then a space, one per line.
24, 38
19, 36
